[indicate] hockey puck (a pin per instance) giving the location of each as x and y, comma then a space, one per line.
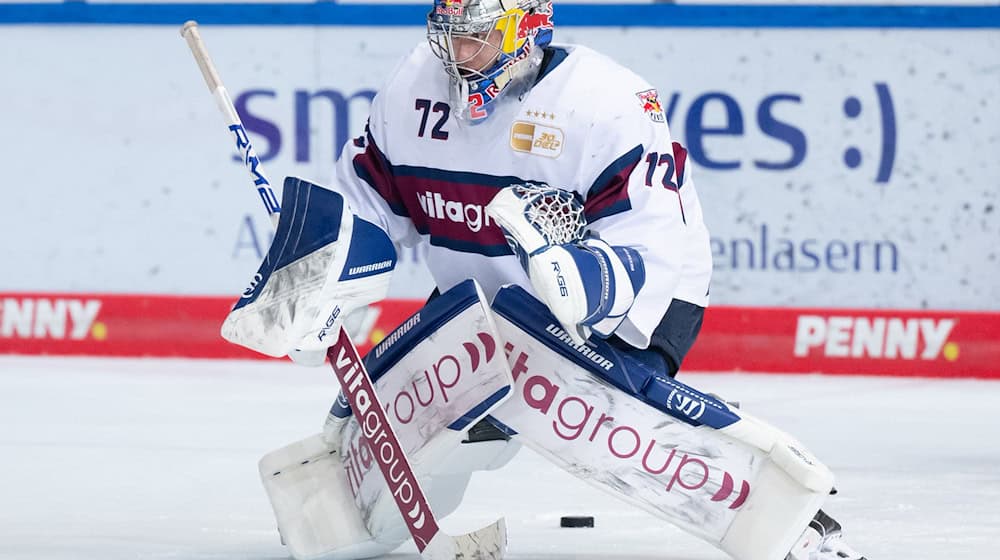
577, 521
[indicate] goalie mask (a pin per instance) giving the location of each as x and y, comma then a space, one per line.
489, 48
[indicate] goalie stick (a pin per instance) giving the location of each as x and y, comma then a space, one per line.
488, 543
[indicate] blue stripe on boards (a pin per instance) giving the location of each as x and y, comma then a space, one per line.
326, 13
598, 15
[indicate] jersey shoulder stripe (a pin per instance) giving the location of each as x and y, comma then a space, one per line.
554, 56
375, 169
609, 193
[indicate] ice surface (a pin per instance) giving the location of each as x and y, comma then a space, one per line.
156, 459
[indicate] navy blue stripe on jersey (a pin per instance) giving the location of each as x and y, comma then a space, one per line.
554, 56
492, 250
375, 169
609, 193
463, 177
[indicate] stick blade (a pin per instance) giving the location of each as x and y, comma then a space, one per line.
488, 543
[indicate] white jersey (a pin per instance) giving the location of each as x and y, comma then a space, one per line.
587, 125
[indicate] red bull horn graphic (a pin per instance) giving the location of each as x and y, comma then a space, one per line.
651, 105
531, 22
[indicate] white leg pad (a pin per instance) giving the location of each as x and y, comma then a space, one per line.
754, 533
315, 507
723, 475
313, 504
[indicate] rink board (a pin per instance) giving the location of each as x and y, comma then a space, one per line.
757, 339
845, 157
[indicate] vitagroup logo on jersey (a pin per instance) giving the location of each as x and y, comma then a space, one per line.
437, 207
881, 337
55, 319
536, 139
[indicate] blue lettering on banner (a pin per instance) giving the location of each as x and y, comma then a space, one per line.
766, 252
710, 120
262, 123
781, 131
249, 241
262, 127
716, 115
696, 129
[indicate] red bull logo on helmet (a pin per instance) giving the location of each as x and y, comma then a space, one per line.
529, 23
651, 105
448, 7
517, 25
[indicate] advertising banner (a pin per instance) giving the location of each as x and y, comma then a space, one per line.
843, 168
151, 325
761, 339
836, 168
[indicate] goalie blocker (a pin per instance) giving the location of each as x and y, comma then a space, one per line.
323, 263
592, 410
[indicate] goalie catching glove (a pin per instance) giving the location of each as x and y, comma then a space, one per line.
586, 283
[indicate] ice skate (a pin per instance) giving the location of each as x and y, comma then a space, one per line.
823, 540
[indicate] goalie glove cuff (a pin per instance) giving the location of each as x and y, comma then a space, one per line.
588, 285
626, 276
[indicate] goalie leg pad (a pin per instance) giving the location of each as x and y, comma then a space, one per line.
656, 443
311, 497
437, 374
311, 492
